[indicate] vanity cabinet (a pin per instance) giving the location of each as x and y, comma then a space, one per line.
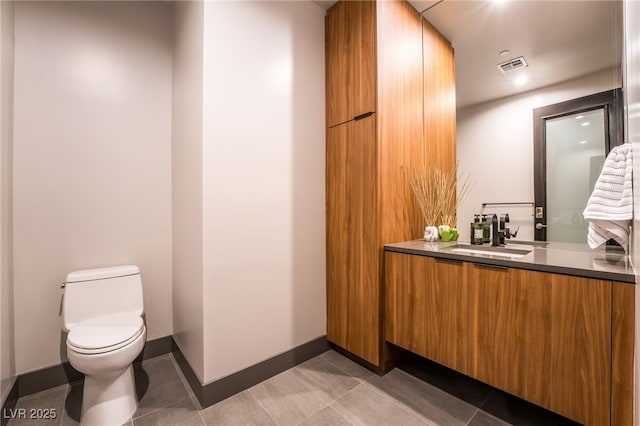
543, 337
376, 106
426, 307
562, 342
623, 330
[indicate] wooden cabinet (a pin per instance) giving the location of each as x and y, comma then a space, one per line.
439, 88
352, 239
623, 329
350, 46
373, 65
426, 307
562, 342
543, 337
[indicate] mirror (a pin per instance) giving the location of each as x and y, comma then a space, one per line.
571, 140
550, 52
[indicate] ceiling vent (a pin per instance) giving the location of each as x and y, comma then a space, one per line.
512, 64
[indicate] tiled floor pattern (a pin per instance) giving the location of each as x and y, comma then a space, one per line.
326, 390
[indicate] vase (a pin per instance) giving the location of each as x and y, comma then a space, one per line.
431, 233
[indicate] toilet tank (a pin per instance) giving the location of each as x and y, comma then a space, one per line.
93, 293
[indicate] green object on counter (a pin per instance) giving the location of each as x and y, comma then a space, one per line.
445, 235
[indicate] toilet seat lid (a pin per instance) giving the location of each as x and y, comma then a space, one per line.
105, 332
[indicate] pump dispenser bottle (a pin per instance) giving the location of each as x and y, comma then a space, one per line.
486, 230
476, 230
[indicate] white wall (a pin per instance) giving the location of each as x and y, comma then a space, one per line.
108, 166
187, 182
92, 159
500, 133
7, 346
632, 132
263, 174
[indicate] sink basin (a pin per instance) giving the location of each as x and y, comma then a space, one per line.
506, 252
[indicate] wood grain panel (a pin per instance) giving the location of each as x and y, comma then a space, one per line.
580, 347
353, 244
350, 52
426, 307
373, 63
336, 41
440, 99
507, 346
400, 103
623, 318
543, 337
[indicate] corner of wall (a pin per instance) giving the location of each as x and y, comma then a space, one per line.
7, 343
186, 183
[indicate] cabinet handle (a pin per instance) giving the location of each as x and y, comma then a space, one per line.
361, 116
445, 260
486, 265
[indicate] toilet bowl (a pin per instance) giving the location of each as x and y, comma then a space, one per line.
102, 311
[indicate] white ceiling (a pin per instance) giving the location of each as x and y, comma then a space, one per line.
560, 40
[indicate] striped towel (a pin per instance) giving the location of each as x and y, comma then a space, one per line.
610, 208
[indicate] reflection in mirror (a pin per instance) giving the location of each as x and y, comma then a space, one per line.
571, 140
575, 155
571, 49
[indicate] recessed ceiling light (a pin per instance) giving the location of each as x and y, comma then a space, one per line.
578, 117
586, 123
582, 142
520, 80
504, 52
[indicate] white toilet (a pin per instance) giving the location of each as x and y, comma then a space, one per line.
102, 311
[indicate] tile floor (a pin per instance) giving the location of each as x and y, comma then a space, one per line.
326, 390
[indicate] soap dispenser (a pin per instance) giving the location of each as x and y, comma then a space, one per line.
486, 230
476, 230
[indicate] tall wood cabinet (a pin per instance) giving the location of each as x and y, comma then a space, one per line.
376, 109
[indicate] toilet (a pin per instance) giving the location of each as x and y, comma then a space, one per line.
102, 312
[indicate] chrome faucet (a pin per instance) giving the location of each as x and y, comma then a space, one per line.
499, 230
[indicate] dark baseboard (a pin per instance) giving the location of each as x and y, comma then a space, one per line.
57, 375
9, 404
157, 347
227, 386
47, 378
189, 374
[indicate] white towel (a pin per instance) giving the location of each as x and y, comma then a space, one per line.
610, 208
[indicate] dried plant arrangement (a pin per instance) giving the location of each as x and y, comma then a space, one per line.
448, 195
437, 192
424, 187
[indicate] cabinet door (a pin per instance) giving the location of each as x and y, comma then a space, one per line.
622, 365
439, 98
353, 249
543, 337
350, 43
426, 307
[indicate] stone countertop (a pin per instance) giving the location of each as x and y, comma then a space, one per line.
559, 258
